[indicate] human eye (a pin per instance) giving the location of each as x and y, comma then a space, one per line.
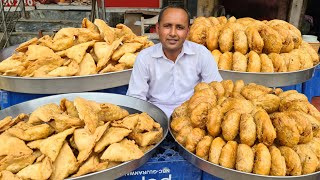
180, 27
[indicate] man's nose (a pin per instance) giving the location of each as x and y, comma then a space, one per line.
173, 31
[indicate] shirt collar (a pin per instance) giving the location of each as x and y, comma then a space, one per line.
185, 50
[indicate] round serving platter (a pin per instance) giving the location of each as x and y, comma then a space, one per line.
59, 85
133, 105
277, 79
226, 173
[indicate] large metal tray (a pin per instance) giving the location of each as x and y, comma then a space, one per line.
277, 79
226, 173
133, 105
58, 85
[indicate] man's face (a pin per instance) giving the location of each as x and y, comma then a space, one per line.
173, 29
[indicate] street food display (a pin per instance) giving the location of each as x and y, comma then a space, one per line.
250, 128
94, 48
73, 138
249, 45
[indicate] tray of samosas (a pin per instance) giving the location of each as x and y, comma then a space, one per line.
93, 57
249, 49
234, 130
78, 136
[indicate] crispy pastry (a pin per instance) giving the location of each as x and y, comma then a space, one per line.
203, 147
262, 159
239, 62
228, 155
245, 158
292, 159
278, 163
248, 130
215, 150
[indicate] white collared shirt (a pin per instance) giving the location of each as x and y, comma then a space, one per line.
168, 84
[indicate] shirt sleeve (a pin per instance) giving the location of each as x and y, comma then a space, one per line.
209, 68
138, 84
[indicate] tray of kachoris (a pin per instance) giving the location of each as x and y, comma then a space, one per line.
234, 130
93, 57
270, 53
79, 136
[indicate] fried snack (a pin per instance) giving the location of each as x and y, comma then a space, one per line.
230, 125
14, 163
278, 62
266, 63
145, 123
203, 147
216, 54
226, 40
266, 133
212, 38
254, 62
215, 150
221, 100
239, 62
58, 44
92, 165
194, 138
8, 122
271, 39
292, 61
36, 52
303, 124
217, 86
314, 145
113, 68
292, 159
65, 164
35, 144
181, 111
255, 41
77, 52
268, 102
83, 35
308, 158
183, 133
112, 135
69, 70
104, 51
8, 175
228, 87
39, 170
225, 61
278, 163
308, 48
52, 145
222, 19
125, 150
214, 21
287, 40
239, 105
68, 107
180, 122
61, 122
24, 46
247, 130
10, 65
238, 85
44, 113
240, 42
253, 91
129, 122
128, 59
262, 159
228, 155
200, 86
111, 112
198, 33
88, 112
305, 58
9, 144
31, 133
245, 158
286, 127
125, 48
214, 120
89, 25
85, 141
106, 32
123, 31
147, 137
87, 66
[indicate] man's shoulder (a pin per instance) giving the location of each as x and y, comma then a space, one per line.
149, 50
195, 46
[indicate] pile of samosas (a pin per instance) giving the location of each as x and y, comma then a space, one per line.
249, 45
250, 128
94, 48
72, 139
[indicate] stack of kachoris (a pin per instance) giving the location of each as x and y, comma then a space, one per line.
250, 128
249, 45
72, 139
94, 48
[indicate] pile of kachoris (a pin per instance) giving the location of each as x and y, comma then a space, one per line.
250, 128
72, 139
249, 45
94, 48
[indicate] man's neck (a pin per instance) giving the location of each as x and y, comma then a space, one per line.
172, 55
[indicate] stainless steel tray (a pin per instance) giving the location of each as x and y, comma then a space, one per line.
226, 173
131, 104
278, 79
60, 85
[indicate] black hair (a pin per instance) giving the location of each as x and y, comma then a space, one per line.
173, 6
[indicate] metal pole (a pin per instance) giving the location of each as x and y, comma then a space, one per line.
103, 10
23, 9
5, 31
93, 10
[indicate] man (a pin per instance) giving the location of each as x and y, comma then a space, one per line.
166, 73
